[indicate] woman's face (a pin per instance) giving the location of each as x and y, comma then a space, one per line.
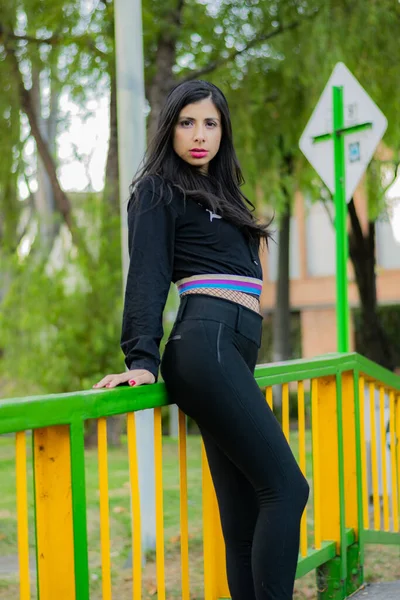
198, 128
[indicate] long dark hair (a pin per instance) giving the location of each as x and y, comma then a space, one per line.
219, 189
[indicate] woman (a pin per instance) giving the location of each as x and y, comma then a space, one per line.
188, 223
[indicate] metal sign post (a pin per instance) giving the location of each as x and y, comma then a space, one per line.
342, 297
131, 147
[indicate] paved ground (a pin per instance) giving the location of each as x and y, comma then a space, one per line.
379, 591
9, 564
374, 591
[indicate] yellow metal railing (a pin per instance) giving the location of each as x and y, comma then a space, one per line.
336, 392
385, 514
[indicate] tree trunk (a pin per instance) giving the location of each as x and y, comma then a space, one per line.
10, 212
371, 339
111, 186
163, 81
281, 320
115, 426
60, 197
164, 78
49, 222
281, 323
110, 216
281, 343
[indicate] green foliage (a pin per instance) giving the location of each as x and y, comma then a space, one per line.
60, 329
11, 164
389, 316
265, 354
273, 87
59, 339
75, 56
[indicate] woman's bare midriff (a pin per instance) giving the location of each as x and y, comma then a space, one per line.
240, 297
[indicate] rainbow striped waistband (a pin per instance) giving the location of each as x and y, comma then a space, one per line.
251, 285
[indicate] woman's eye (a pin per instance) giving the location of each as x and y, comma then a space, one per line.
210, 123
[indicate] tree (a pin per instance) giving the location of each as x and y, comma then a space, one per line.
69, 49
376, 66
294, 82
371, 336
263, 55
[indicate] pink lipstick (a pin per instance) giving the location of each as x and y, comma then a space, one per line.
197, 153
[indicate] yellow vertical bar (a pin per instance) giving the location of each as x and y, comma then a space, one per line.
135, 508
53, 499
104, 508
395, 506
285, 410
397, 426
302, 461
363, 453
328, 451
184, 519
22, 516
383, 452
350, 460
268, 396
374, 458
208, 530
315, 434
159, 505
215, 578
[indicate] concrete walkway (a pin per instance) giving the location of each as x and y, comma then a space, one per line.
379, 591
9, 564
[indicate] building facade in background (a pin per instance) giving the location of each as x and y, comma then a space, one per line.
312, 272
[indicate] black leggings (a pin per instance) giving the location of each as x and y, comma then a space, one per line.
208, 368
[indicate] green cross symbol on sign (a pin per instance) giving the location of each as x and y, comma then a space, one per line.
341, 130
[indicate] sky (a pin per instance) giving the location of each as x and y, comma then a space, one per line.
89, 138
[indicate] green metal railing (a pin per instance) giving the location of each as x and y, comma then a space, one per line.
334, 391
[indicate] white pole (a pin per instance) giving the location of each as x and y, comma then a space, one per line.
131, 147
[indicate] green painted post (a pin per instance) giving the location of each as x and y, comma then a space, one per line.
34, 512
79, 510
343, 541
342, 301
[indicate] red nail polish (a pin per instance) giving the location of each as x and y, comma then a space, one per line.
132, 382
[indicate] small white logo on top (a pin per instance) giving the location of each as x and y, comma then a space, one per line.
213, 215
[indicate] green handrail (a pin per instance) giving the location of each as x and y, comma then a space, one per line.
30, 412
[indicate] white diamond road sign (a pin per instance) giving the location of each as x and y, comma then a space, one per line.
359, 145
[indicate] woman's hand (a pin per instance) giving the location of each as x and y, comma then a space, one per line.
135, 377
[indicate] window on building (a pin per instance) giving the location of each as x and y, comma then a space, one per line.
387, 247
320, 242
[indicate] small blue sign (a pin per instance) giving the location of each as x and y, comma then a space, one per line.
354, 152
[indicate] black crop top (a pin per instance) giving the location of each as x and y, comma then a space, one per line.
169, 241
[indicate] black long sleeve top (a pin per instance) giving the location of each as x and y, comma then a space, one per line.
169, 240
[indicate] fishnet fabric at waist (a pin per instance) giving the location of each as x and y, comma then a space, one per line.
240, 297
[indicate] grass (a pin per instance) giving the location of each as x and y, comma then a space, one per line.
382, 563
